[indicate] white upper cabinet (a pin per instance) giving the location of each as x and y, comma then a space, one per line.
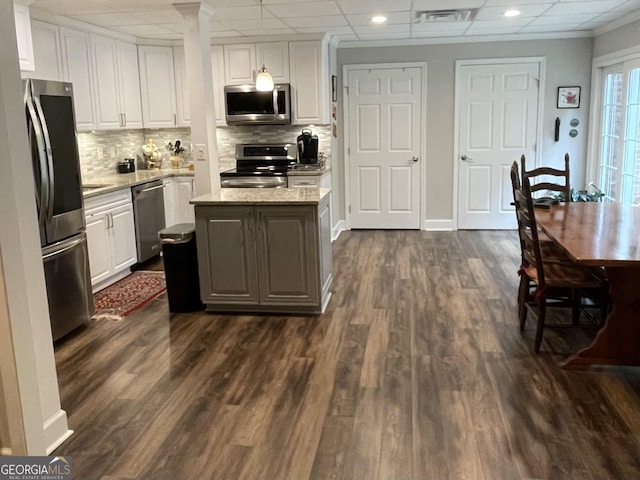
23, 37
243, 61
309, 67
158, 87
77, 69
239, 64
46, 51
217, 72
129, 82
182, 89
275, 57
117, 84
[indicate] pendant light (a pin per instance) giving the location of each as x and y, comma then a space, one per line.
264, 81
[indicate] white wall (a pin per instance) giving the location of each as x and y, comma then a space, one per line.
568, 64
45, 423
616, 40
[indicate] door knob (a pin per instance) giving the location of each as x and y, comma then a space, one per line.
415, 158
465, 158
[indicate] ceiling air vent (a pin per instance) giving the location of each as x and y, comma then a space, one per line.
433, 16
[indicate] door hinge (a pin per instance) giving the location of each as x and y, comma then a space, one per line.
349, 151
349, 208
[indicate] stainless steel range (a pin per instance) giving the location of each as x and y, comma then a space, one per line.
260, 165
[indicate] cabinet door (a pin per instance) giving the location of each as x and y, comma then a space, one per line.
182, 91
308, 71
239, 64
98, 246
106, 83
46, 51
227, 255
129, 85
170, 201
157, 85
23, 37
76, 54
184, 194
287, 245
123, 237
275, 57
217, 71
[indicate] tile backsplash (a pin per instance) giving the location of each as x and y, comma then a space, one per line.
101, 151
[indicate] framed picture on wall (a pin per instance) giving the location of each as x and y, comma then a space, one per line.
568, 97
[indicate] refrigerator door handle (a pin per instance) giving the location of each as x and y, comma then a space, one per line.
49, 154
58, 249
42, 196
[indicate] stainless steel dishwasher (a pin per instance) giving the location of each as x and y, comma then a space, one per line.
148, 209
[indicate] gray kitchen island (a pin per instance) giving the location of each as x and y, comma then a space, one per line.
264, 250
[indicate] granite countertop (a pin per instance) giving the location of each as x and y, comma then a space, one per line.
111, 183
263, 196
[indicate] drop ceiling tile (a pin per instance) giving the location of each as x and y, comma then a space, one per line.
169, 15
565, 20
489, 13
332, 30
373, 6
392, 18
516, 3
72, 7
347, 37
254, 24
238, 13
142, 30
267, 33
108, 20
304, 9
319, 21
505, 23
225, 34
486, 30
382, 29
446, 4
570, 8
440, 27
548, 28
383, 36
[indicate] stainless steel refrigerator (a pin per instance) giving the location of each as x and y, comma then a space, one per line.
56, 166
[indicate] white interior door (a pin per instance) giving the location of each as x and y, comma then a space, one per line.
385, 129
498, 121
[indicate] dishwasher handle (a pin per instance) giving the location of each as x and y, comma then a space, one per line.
150, 188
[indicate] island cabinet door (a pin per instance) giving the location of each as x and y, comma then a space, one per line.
287, 245
227, 255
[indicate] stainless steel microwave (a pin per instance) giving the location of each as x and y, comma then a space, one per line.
244, 105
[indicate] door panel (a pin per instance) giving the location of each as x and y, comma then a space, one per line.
498, 121
385, 125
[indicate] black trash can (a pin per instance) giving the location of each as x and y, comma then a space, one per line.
181, 267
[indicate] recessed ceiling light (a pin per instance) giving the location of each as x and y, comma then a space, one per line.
379, 19
511, 13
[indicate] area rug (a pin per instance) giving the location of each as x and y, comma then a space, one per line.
129, 294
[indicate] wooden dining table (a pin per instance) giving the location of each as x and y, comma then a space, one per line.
604, 235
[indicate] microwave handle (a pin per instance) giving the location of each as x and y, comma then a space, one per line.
275, 101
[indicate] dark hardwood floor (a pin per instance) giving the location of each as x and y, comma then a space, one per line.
417, 370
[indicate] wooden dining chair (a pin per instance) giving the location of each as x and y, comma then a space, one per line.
561, 179
549, 281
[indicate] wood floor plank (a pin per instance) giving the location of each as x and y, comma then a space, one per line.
417, 371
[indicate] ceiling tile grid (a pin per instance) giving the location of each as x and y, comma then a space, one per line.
349, 20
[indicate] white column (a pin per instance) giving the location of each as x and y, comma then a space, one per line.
44, 422
199, 81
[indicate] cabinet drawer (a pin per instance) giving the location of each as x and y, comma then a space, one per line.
304, 181
106, 201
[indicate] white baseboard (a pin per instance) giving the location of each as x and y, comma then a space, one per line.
340, 227
439, 225
56, 431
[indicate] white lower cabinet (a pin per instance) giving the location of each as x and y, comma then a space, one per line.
111, 237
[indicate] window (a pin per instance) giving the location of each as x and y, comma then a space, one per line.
619, 155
